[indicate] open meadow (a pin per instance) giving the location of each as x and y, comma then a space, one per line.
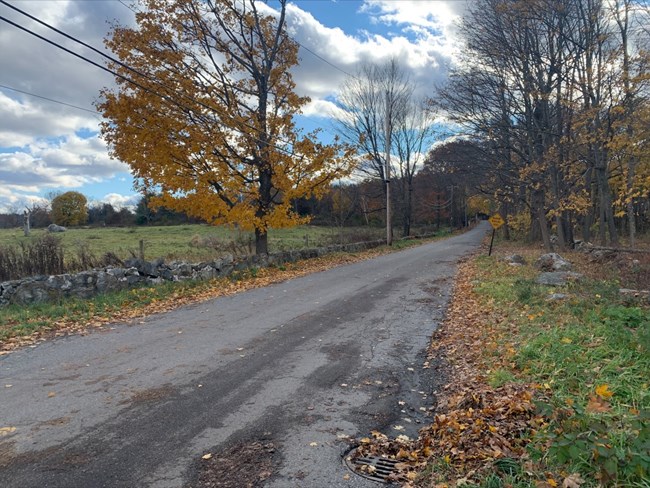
191, 242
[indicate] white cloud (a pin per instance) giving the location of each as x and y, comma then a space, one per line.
121, 201
66, 163
52, 156
426, 57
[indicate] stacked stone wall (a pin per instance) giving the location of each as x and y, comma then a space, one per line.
137, 272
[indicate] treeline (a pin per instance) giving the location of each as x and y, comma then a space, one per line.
96, 215
558, 94
441, 194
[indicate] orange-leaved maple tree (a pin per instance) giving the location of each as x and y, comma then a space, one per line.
203, 113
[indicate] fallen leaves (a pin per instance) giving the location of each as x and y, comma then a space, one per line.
474, 425
597, 405
604, 392
4, 431
572, 481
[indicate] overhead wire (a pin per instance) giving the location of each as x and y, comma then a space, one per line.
49, 99
338, 68
124, 78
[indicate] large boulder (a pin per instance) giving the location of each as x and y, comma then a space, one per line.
553, 262
56, 228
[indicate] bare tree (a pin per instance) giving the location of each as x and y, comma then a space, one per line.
376, 97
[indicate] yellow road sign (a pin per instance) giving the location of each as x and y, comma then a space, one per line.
496, 220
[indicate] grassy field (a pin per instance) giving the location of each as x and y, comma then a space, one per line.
195, 242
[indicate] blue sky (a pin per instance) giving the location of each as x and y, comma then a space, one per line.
47, 147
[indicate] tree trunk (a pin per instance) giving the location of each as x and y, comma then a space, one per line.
265, 201
631, 217
606, 212
540, 216
408, 210
261, 242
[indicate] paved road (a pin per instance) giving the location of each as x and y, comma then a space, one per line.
311, 360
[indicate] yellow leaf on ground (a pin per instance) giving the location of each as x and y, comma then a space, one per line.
7, 430
603, 391
207, 456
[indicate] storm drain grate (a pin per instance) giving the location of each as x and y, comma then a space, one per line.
371, 467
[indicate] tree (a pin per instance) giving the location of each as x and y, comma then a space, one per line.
380, 97
549, 88
70, 209
210, 127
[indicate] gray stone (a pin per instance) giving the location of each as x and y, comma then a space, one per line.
60, 282
167, 275
643, 295
557, 278
133, 276
553, 262
83, 284
56, 228
118, 273
515, 259
556, 297
31, 292
208, 273
107, 282
184, 269
149, 269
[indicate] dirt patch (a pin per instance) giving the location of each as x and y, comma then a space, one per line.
246, 465
7, 453
150, 395
57, 422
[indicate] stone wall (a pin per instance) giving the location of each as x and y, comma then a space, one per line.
137, 272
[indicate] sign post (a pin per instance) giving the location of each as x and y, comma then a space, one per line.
496, 221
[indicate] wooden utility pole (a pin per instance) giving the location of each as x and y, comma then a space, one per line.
389, 230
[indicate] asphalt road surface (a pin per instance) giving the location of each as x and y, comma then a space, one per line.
302, 366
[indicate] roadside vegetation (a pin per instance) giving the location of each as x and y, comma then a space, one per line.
544, 386
84, 248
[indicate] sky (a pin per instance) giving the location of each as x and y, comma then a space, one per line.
48, 147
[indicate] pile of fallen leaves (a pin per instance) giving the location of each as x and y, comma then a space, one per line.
475, 427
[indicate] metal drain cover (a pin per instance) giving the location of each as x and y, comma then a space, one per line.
371, 467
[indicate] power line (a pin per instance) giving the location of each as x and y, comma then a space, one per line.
128, 80
290, 37
49, 99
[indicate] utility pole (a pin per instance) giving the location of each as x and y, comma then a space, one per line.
389, 230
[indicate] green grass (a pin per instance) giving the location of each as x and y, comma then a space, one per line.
175, 242
591, 355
